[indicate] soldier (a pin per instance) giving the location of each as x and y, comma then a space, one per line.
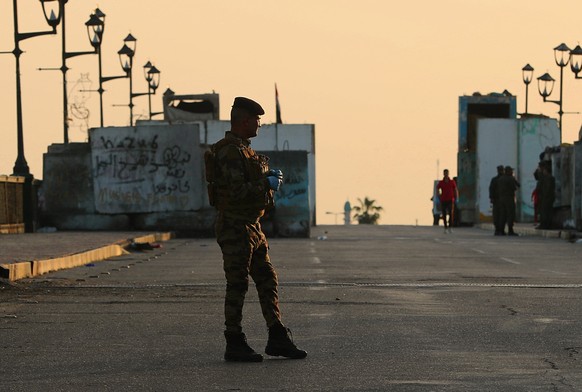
506, 187
495, 201
241, 187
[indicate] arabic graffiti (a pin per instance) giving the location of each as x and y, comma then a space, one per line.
146, 171
136, 165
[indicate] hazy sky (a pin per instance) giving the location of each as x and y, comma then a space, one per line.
380, 79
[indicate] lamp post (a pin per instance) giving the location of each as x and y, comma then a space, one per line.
126, 54
96, 35
152, 76
94, 25
151, 73
527, 74
99, 30
52, 12
546, 82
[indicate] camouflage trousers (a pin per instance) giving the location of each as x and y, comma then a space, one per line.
245, 252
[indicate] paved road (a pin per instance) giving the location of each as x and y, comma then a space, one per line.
378, 308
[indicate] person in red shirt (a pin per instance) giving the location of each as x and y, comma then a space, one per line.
448, 193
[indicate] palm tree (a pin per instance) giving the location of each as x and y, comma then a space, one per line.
367, 212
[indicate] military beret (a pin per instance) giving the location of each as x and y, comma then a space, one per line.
249, 105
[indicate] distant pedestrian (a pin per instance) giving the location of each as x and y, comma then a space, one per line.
506, 187
494, 199
241, 187
546, 190
447, 192
534, 196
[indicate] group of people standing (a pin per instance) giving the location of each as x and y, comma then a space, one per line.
502, 190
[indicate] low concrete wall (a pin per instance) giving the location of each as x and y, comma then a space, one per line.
151, 177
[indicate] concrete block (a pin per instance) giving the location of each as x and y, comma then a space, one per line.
15, 271
68, 166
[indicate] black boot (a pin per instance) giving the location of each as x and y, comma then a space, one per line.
280, 343
237, 349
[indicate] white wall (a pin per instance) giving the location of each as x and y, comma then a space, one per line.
517, 143
496, 145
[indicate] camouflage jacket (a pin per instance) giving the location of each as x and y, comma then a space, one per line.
237, 178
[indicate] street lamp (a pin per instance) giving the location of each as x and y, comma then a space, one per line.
152, 76
576, 61
52, 12
94, 24
546, 85
527, 73
96, 29
128, 52
562, 57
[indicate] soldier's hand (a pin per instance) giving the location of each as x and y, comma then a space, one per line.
274, 182
275, 173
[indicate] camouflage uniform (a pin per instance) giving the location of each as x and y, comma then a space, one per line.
241, 194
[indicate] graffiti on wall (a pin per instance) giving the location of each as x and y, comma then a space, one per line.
143, 169
291, 216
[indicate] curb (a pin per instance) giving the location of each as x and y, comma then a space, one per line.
31, 269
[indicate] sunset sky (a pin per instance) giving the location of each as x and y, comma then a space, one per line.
379, 79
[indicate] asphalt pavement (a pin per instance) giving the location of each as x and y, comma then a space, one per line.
378, 308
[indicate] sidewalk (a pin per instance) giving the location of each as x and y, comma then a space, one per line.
32, 254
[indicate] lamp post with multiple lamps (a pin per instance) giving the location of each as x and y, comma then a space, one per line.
123, 55
527, 74
546, 82
94, 29
151, 74
94, 25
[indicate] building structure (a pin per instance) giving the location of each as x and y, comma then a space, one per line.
490, 134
